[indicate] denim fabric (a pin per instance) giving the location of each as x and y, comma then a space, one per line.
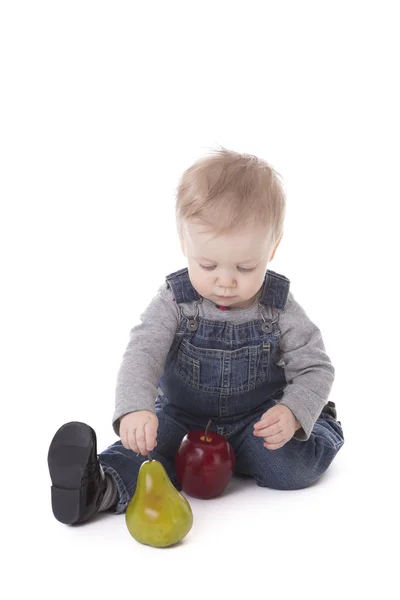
227, 373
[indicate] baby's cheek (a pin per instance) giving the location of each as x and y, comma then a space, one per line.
251, 288
202, 286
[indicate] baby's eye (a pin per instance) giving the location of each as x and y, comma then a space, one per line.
243, 270
207, 268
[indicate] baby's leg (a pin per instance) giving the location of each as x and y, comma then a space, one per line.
297, 464
84, 483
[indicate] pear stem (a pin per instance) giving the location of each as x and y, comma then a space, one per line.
207, 426
149, 456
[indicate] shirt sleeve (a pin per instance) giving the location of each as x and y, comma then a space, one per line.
308, 370
144, 358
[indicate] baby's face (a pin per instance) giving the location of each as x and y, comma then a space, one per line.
229, 270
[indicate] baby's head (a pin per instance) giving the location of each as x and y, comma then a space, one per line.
230, 212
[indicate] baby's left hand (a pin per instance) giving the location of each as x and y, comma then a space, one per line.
277, 426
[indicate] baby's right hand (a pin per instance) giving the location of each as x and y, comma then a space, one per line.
138, 431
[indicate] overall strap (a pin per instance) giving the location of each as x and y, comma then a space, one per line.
276, 290
182, 289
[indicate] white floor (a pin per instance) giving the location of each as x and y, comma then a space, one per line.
334, 540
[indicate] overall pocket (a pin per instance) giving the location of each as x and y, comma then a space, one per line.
188, 369
226, 372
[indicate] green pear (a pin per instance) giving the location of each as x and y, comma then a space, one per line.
157, 515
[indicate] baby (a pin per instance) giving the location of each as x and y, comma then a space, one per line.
224, 339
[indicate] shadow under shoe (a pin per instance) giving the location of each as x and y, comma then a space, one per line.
77, 483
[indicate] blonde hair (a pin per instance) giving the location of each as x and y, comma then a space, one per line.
227, 191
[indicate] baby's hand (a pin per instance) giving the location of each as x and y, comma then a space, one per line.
277, 426
138, 431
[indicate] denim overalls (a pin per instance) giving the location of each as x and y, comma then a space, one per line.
227, 373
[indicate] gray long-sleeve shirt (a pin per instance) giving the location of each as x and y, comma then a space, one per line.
308, 369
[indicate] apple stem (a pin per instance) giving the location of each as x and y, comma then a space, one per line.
207, 426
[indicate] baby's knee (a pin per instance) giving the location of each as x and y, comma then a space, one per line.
288, 480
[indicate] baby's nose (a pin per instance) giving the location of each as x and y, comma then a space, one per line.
226, 280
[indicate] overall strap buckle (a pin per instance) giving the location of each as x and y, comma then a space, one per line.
267, 324
191, 322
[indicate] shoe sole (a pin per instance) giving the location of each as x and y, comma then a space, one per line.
68, 457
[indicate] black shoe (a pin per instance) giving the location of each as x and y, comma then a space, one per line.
78, 486
330, 409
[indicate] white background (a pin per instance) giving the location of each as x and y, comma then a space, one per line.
103, 105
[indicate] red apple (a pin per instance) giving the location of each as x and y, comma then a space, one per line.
204, 463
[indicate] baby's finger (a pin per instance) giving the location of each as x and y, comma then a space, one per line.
132, 440
141, 441
273, 446
124, 438
269, 418
275, 439
266, 431
150, 435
